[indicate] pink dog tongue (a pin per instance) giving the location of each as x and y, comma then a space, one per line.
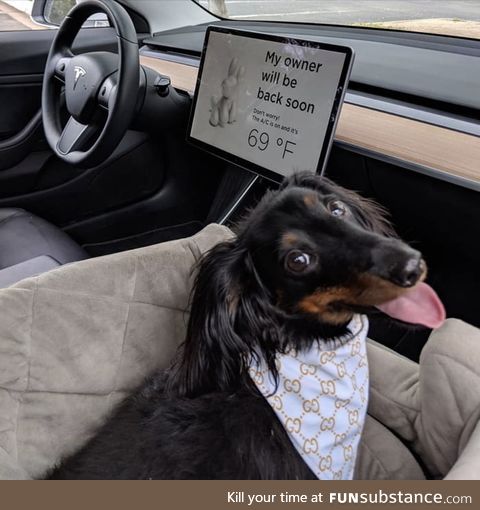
420, 305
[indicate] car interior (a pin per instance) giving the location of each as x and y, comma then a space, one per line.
408, 137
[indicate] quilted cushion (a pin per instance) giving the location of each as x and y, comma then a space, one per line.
435, 406
76, 340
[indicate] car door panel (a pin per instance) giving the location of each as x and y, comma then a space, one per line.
45, 185
14, 148
30, 175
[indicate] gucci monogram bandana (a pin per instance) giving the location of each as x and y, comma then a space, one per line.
321, 400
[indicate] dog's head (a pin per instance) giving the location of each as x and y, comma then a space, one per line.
308, 257
324, 252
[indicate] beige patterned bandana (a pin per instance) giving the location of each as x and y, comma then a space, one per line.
321, 400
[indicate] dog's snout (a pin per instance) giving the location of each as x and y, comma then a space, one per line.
399, 264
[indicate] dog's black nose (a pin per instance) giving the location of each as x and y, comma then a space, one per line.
410, 273
398, 263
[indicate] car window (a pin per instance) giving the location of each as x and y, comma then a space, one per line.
21, 15
56, 10
460, 18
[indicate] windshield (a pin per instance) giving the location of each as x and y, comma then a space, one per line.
460, 18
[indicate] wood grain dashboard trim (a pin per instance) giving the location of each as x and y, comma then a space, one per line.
400, 138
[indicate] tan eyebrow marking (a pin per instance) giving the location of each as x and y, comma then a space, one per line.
310, 200
289, 239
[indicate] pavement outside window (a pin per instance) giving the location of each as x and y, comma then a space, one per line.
441, 26
460, 18
15, 15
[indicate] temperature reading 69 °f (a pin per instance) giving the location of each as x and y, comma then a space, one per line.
262, 140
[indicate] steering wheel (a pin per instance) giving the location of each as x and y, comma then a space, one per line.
101, 88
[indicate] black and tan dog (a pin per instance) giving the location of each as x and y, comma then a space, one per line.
306, 259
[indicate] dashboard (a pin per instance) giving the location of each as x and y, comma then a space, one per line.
422, 138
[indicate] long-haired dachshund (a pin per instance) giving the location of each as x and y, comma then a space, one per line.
307, 259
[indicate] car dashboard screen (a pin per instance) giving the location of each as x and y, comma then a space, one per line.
269, 104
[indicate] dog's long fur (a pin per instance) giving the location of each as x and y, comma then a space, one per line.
203, 418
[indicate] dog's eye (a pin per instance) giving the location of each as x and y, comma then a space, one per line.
297, 261
337, 208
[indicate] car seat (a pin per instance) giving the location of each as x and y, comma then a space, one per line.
78, 339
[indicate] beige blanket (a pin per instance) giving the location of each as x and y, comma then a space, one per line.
76, 340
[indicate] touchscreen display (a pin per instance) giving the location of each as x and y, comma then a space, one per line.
268, 103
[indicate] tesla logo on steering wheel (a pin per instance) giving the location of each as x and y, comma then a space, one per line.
79, 72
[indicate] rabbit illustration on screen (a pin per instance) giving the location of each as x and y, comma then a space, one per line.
224, 108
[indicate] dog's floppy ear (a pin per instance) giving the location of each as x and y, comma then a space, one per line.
227, 313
